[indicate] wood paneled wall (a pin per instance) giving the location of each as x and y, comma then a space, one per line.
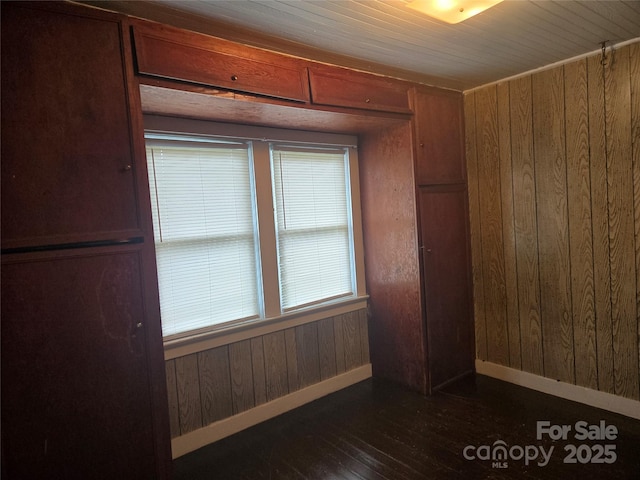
554, 193
211, 385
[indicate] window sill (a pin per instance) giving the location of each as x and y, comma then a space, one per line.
254, 328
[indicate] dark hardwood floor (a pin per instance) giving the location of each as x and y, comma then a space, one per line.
378, 430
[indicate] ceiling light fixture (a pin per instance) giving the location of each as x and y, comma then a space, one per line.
452, 11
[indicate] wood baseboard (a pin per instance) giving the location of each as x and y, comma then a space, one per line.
587, 396
218, 430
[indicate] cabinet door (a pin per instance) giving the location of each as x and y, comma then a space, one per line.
447, 292
176, 54
67, 165
439, 136
342, 87
76, 401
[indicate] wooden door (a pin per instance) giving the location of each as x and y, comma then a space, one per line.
439, 137
76, 398
67, 161
447, 287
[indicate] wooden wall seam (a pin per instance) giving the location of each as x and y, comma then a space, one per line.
474, 221
508, 226
491, 227
580, 224
634, 57
621, 229
525, 220
551, 208
600, 228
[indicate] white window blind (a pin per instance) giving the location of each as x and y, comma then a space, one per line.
312, 224
205, 233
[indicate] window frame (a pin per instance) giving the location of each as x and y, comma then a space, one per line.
272, 317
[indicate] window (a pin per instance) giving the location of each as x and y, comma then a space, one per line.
204, 231
313, 224
249, 229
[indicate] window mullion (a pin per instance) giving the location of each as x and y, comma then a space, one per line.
267, 228
356, 222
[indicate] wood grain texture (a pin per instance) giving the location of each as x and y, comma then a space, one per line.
240, 361
183, 100
392, 260
443, 213
71, 371
491, 225
227, 380
526, 225
438, 115
634, 70
474, 225
71, 183
580, 232
341, 87
326, 349
189, 401
600, 223
338, 328
167, 52
172, 394
308, 354
378, 430
508, 227
352, 342
364, 335
575, 176
621, 225
258, 366
215, 384
553, 231
275, 362
291, 353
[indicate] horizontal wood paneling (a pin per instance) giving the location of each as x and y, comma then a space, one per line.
569, 208
220, 382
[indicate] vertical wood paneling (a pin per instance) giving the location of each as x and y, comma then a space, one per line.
189, 403
308, 354
259, 378
569, 145
580, 237
352, 345
508, 228
240, 361
172, 393
621, 225
338, 328
215, 384
364, 335
292, 359
474, 221
553, 230
275, 361
526, 226
327, 348
634, 69
491, 234
600, 224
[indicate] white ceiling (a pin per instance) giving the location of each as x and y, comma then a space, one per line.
511, 38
